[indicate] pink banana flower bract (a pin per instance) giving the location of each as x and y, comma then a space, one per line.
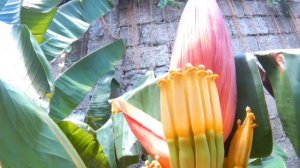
202, 38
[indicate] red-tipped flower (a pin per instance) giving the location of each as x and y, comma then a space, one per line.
202, 38
147, 130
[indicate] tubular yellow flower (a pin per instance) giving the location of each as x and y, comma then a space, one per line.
240, 146
217, 115
195, 107
167, 120
182, 120
209, 120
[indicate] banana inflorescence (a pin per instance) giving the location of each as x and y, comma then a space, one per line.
192, 119
190, 134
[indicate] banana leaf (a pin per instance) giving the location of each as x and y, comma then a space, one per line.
29, 138
86, 145
250, 93
146, 97
10, 12
104, 137
75, 83
99, 109
21, 55
69, 24
276, 159
42, 6
283, 70
37, 15
2, 3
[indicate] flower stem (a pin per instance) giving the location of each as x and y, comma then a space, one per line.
173, 150
186, 152
202, 154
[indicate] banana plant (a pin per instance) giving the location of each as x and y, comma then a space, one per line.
211, 47
23, 30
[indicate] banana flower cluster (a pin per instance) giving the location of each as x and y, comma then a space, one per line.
192, 119
190, 133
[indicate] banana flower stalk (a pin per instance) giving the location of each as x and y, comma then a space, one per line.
202, 38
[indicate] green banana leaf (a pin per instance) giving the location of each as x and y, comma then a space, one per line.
42, 6
250, 93
37, 15
69, 24
145, 96
283, 70
37, 22
10, 12
21, 55
2, 4
75, 83
104, 137
99, 109
86, 145
29, 138
276, 159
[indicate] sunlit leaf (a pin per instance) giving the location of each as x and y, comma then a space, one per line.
10, 12
69, 24
75, 83
85, 144
22, 56
42, 6
37, 22
2, 3
36, 14
29, 138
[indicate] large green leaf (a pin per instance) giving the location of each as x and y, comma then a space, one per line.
99, 110
22, 62
250, 93
71, 21
74, 84
37, 15
2, 3
29, 138
42, 6
283, 70
86, 145
10, 12
104, 137
145, 96
276, 159
37, 22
